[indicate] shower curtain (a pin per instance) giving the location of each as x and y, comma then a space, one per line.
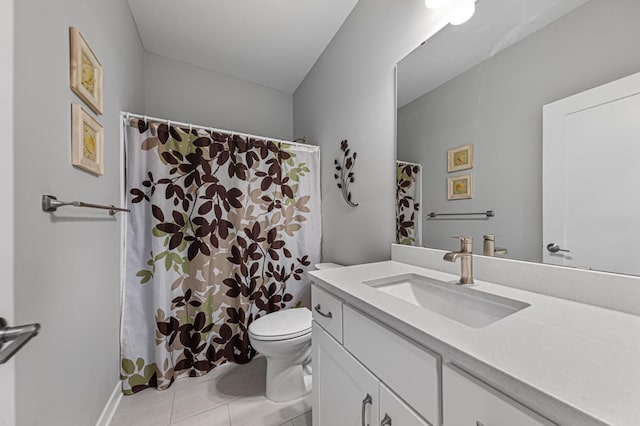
222, 230
408, 200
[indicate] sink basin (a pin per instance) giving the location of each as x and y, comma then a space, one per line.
457, 302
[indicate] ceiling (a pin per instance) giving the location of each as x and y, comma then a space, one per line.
496, 25
273, 43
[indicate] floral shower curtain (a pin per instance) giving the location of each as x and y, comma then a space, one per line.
222, 230
408, 200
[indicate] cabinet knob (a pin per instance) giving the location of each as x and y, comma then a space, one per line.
386, 421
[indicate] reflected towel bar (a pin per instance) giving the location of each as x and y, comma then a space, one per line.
488, 213
51, 204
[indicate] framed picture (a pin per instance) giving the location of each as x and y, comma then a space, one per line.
460, 158
459, 187
86, 71
87, 141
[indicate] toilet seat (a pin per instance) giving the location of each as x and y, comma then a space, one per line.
282, 325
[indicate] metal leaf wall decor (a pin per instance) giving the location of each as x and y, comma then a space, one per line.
344, 172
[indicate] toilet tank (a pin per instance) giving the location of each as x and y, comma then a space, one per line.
321, 266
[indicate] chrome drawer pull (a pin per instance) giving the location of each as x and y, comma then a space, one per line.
365, 401
386, 421
327, 315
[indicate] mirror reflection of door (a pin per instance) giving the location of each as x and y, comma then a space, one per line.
591, 198
485, 83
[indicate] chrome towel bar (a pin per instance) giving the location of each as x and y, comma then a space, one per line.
51, 204
488, 213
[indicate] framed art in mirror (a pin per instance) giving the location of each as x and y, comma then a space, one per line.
459, 187
460, 158
87, 141
85, 71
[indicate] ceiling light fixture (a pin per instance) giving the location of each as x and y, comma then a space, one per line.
460, 11
435, 4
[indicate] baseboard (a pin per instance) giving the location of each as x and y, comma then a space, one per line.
111, 406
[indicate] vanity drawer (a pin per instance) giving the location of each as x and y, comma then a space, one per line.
468, 401
410, 370
327, 312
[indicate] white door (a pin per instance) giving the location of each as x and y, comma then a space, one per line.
7, 379
345, 393
591, 178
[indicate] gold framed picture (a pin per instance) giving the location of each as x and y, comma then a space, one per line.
459, 187
86, 71
87, 141
460, 158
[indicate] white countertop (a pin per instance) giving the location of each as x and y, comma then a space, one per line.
571, 362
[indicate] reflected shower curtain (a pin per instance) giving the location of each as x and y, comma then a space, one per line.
222, 230
408, 200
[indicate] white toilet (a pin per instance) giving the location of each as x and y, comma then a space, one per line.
284, 338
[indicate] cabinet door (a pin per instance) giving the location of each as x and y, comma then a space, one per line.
467, 401
394, 412
343, 390
410, 370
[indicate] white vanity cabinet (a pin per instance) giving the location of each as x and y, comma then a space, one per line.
394, 412
410, 370
367, 374
344, 392
348, 391
467, 401
347, 394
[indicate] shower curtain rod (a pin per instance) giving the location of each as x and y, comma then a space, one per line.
409, 163
124, 115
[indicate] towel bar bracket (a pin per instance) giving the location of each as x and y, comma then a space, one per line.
19, 336
51, 204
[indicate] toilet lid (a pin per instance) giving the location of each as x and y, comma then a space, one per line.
285, 324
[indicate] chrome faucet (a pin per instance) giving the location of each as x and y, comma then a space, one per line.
466, 259
489, 247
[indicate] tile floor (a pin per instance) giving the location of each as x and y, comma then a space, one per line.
230, 395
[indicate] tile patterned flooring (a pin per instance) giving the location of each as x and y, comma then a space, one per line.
230, 395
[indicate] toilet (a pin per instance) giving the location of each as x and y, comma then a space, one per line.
284, 338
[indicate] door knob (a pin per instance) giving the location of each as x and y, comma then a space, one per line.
554, 248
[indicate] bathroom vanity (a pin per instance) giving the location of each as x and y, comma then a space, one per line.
397, 343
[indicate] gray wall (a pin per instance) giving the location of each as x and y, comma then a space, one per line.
68, 264
497, 106
7, 376
350, 94
184, 92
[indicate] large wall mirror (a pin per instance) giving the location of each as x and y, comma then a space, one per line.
519, 76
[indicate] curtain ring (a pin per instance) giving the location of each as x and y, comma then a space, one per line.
190, 127
145, 120
168, 124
